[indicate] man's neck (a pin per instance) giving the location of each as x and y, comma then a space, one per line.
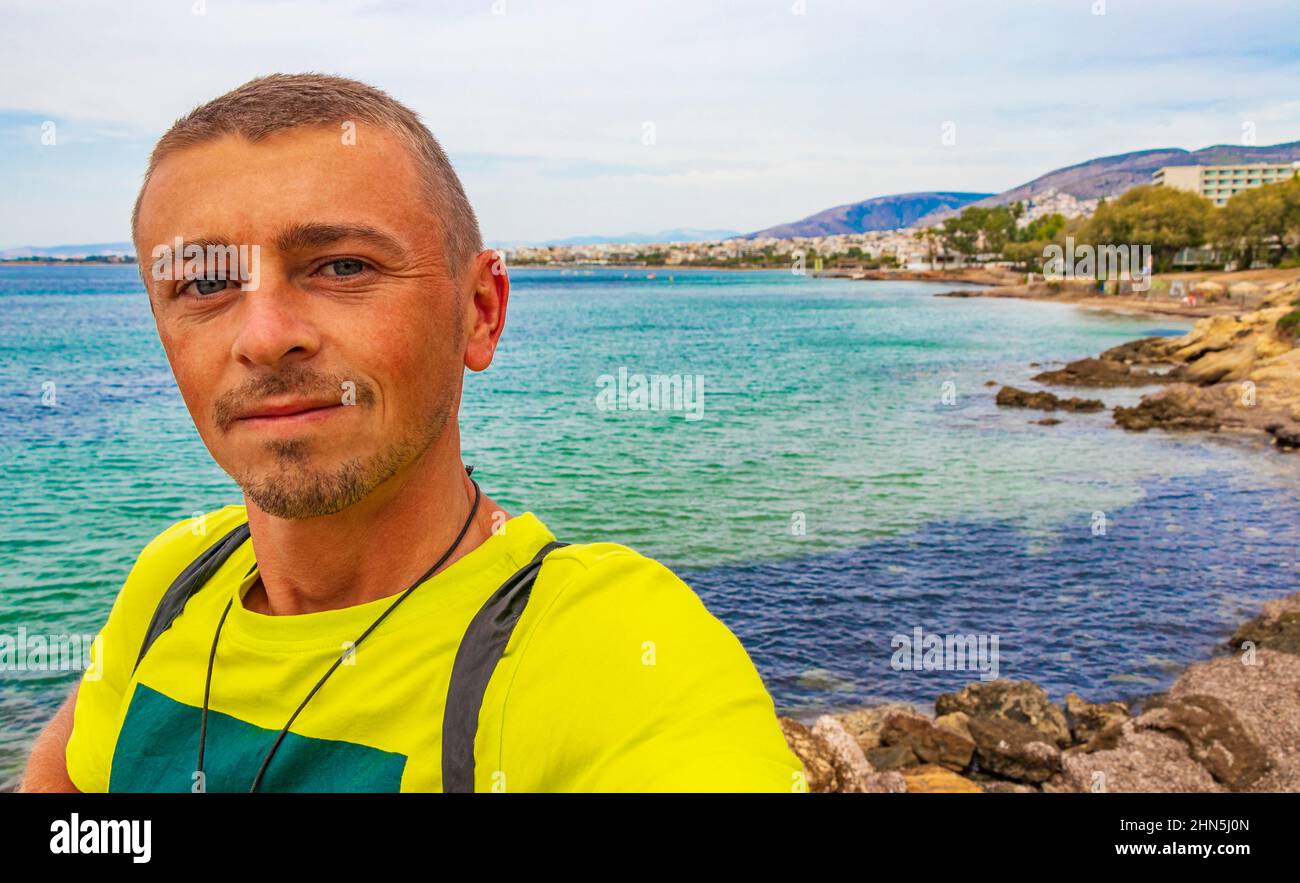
375, 548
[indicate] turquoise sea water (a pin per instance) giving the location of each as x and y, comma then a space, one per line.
858, 410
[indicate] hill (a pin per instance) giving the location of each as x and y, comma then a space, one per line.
1109, 176
880, 213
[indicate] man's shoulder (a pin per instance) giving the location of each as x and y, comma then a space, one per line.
610, 566
604, 584
637, 684
163, 558
601, 555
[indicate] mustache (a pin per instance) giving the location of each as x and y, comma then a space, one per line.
299, 382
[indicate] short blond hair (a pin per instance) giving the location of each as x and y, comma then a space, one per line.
270, 104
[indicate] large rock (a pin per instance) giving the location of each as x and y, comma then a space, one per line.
1286, 438
1229, 364
892, 757
1186, 741
862, 777
1021, 702
1215, 737
934, 779
1139, 761
931, 743
832, 760
1089, 719
820, 765
1169, 410
957, 722
1098, 373
850, 764
1277, 627
865, 724
1209, 335
1143, 351
1263, 690
1014, 750
994, 785
1282, 368
1011, 397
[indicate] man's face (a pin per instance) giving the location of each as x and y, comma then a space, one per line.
345, 364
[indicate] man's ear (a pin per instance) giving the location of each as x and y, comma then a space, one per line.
485, 307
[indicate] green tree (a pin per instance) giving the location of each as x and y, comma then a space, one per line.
997, 227
1043, 229
1260, 223
1165, 218
960, 234
979, 230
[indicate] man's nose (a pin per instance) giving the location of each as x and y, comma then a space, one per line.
275, 324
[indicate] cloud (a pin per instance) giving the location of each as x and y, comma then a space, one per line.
760, 115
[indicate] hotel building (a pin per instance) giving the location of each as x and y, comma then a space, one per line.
1221, 183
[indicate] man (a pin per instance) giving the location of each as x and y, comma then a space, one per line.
368, 620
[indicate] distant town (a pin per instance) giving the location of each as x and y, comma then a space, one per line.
904, 248
39, 260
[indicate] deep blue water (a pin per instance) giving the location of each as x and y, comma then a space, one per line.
1113, 615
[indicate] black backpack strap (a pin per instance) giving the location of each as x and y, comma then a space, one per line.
192, 578
480, 649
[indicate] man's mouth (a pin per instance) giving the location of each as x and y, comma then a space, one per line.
298, 412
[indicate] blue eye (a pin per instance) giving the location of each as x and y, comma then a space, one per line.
345, 267
206, 286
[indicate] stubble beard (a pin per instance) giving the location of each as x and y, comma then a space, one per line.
296, 489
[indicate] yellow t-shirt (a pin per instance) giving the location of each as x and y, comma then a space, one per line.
616, 678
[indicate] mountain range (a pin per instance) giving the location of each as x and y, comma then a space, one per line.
880, 213
1106, 176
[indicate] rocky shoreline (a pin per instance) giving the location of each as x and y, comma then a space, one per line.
1233, 373
1231, 723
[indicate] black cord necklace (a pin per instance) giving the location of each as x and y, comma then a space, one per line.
207, 687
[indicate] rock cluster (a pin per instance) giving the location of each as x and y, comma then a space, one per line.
1172, 410
1228, 724
1276, 628
1011, 397
1239, 373
1107, 371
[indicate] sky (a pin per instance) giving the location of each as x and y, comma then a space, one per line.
600, 118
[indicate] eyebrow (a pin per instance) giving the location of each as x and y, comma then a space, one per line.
301, 237
207, 242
